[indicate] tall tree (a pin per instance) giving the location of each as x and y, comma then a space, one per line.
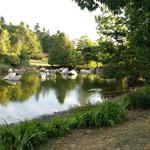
4, 42
62, 51
138, 13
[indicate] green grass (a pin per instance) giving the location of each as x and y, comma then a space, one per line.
42, 62
28, 135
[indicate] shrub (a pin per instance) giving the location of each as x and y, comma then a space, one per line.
23, 136
139, 99
106, 115
3, 68
57, 127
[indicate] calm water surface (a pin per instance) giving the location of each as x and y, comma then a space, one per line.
32, 97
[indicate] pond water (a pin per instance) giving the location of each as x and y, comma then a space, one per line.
32, 97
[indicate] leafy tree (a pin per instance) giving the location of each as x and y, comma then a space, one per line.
24, 57
87, 48
62, 51
4, 42
138, 24
22, 37
17, 42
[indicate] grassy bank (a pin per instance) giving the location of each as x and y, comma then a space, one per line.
134, 134
28, 135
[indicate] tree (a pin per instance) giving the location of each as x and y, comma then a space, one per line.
17, 42
138, 21
4, 42
87, 48
22, 37
62, 51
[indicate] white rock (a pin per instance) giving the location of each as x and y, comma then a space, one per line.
43, 76
10, 71
73, 77
10, 76
84, 71
65, 71
72, 72
42, 69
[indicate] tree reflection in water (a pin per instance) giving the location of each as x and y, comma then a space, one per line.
32, 85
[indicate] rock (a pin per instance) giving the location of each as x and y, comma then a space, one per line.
9, 76
64, 71
64, 76
17, 78
46, 70
43, 69
43, 76
10, 71
12, 77
94, 90
19, 71
73, 77
84, 71
98, 71
72, 72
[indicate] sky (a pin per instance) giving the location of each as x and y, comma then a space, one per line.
54, 15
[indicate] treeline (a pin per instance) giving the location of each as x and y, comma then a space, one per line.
18, 43
124, 28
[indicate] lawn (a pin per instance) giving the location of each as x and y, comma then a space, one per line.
42, 62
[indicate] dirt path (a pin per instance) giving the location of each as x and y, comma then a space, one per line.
131, 135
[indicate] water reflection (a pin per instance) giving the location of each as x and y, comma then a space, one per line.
32, 97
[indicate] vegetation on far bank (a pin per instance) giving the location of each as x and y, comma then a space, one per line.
28, 135
122, 47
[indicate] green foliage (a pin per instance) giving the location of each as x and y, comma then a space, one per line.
106, 115
4, 42
24, 136
28, 135
18, 42
24, 57
139, 99
3, 68
12, 60
130, 28
62, 51
57, 127
88, 49
44, 37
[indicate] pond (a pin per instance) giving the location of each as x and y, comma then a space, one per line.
32, 97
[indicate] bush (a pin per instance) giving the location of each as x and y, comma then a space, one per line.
24, 136
106, 115
3, 68
12, 60
139, 99
24, 57
57, 127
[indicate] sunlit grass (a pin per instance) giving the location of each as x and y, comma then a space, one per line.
42, 62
